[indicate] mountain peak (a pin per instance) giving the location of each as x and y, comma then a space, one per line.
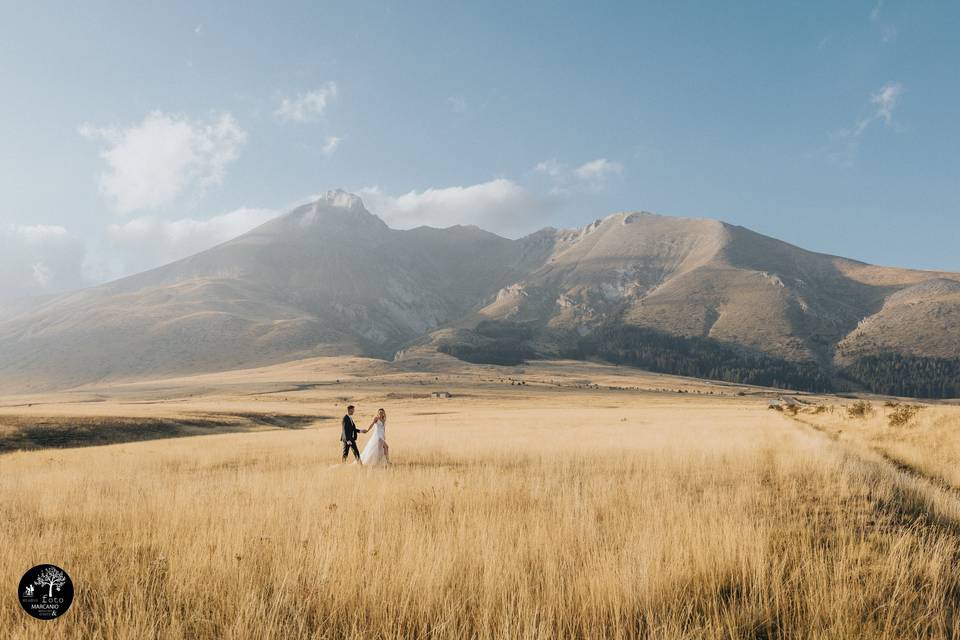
335, 209
340, 199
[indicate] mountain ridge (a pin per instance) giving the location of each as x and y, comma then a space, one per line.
331, 277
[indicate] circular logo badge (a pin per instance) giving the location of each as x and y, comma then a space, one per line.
45, 592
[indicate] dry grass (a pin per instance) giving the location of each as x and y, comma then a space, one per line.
571, 506
924, 438
535, 513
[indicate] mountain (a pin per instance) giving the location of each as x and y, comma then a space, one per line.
328, 277
705, 298
691, 296
702, 278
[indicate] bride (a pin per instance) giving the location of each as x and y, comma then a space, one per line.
376, 451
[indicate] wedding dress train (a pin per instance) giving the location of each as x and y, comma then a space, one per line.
375, 451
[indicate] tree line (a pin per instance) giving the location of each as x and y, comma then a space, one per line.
698, 357
899, 375
510, 343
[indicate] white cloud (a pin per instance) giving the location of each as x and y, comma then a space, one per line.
153, 163
883, 103
597, 171
147, 242
499, 205
886, 99
592, 176
43, 259
331, 145
39, 259
306, 106
550, 168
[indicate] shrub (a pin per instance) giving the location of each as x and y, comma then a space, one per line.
903, 414
860, 409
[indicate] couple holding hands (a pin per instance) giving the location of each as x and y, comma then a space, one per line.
376, 451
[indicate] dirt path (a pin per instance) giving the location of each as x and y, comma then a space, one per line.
923, 497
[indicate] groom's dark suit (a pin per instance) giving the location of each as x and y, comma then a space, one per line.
348, 436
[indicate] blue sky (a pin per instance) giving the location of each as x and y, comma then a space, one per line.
132, 134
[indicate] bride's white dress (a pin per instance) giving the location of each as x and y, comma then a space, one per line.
375, 452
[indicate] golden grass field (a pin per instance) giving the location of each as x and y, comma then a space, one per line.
588, 502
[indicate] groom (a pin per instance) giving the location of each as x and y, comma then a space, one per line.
348, 436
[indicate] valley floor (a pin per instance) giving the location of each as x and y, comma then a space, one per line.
553, 500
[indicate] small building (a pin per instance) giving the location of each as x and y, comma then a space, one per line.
440, 394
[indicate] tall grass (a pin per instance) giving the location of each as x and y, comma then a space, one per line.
925, 438
711, 524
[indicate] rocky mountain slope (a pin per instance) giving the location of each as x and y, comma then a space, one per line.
706, 278
692, 295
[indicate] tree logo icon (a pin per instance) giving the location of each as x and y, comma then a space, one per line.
45, 592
